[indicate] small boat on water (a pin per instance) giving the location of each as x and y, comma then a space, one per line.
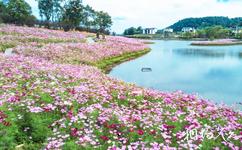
146, 69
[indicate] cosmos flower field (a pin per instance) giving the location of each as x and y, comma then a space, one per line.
54, 96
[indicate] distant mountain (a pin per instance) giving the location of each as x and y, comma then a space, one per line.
206, 22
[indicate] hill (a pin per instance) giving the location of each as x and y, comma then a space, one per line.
206, 22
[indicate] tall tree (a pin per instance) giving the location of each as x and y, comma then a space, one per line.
130, 31
103, 22
72, 14
19, 11
88, 17
57, 10
46, 8
50, 11
3, 13
133, 30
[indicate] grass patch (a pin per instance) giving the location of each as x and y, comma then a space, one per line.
140, 36
148, 42
28, 130
5, 46
107, 64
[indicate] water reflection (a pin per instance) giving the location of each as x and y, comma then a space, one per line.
213, 72
198, 52
240, 55
195, 52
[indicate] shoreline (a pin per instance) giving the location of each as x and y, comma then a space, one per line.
106, 65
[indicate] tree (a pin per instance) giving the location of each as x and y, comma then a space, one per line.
88, 17
30, 20
139, 30
133, 30
72, 15
201, 33
50, 11
3, 13
103, 22
239, 35
57, 10
217, 32
46, 8
19, 12
187, 35
130, 31
214, 32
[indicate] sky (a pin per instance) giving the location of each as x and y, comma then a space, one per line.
158, 13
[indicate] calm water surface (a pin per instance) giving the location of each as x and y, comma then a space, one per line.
213, 72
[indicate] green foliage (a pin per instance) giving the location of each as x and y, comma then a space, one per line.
108, 63
46, 8
187, 35
4, 46
89, 16
239, 35
215, 32
206, 22
19, 12
201, 33
103, 21
46, 98
144, 36
71, 145
72, 14
67, 14
50, 10
26, 128
3, 13
133, 30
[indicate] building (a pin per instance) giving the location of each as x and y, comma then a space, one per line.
149, 31
188, 29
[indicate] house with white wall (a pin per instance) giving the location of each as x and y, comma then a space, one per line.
149, 30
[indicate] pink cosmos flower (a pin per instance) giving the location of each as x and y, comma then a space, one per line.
105, 138
74, 132
140, 132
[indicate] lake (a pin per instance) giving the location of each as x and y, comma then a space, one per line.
212, 72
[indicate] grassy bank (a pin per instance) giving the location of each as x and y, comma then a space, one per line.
148, 42
107, 64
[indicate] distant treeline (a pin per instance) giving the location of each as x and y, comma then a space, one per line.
56, 14
203, 22
133, 31
213, 32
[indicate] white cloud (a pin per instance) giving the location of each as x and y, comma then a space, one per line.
161, 13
